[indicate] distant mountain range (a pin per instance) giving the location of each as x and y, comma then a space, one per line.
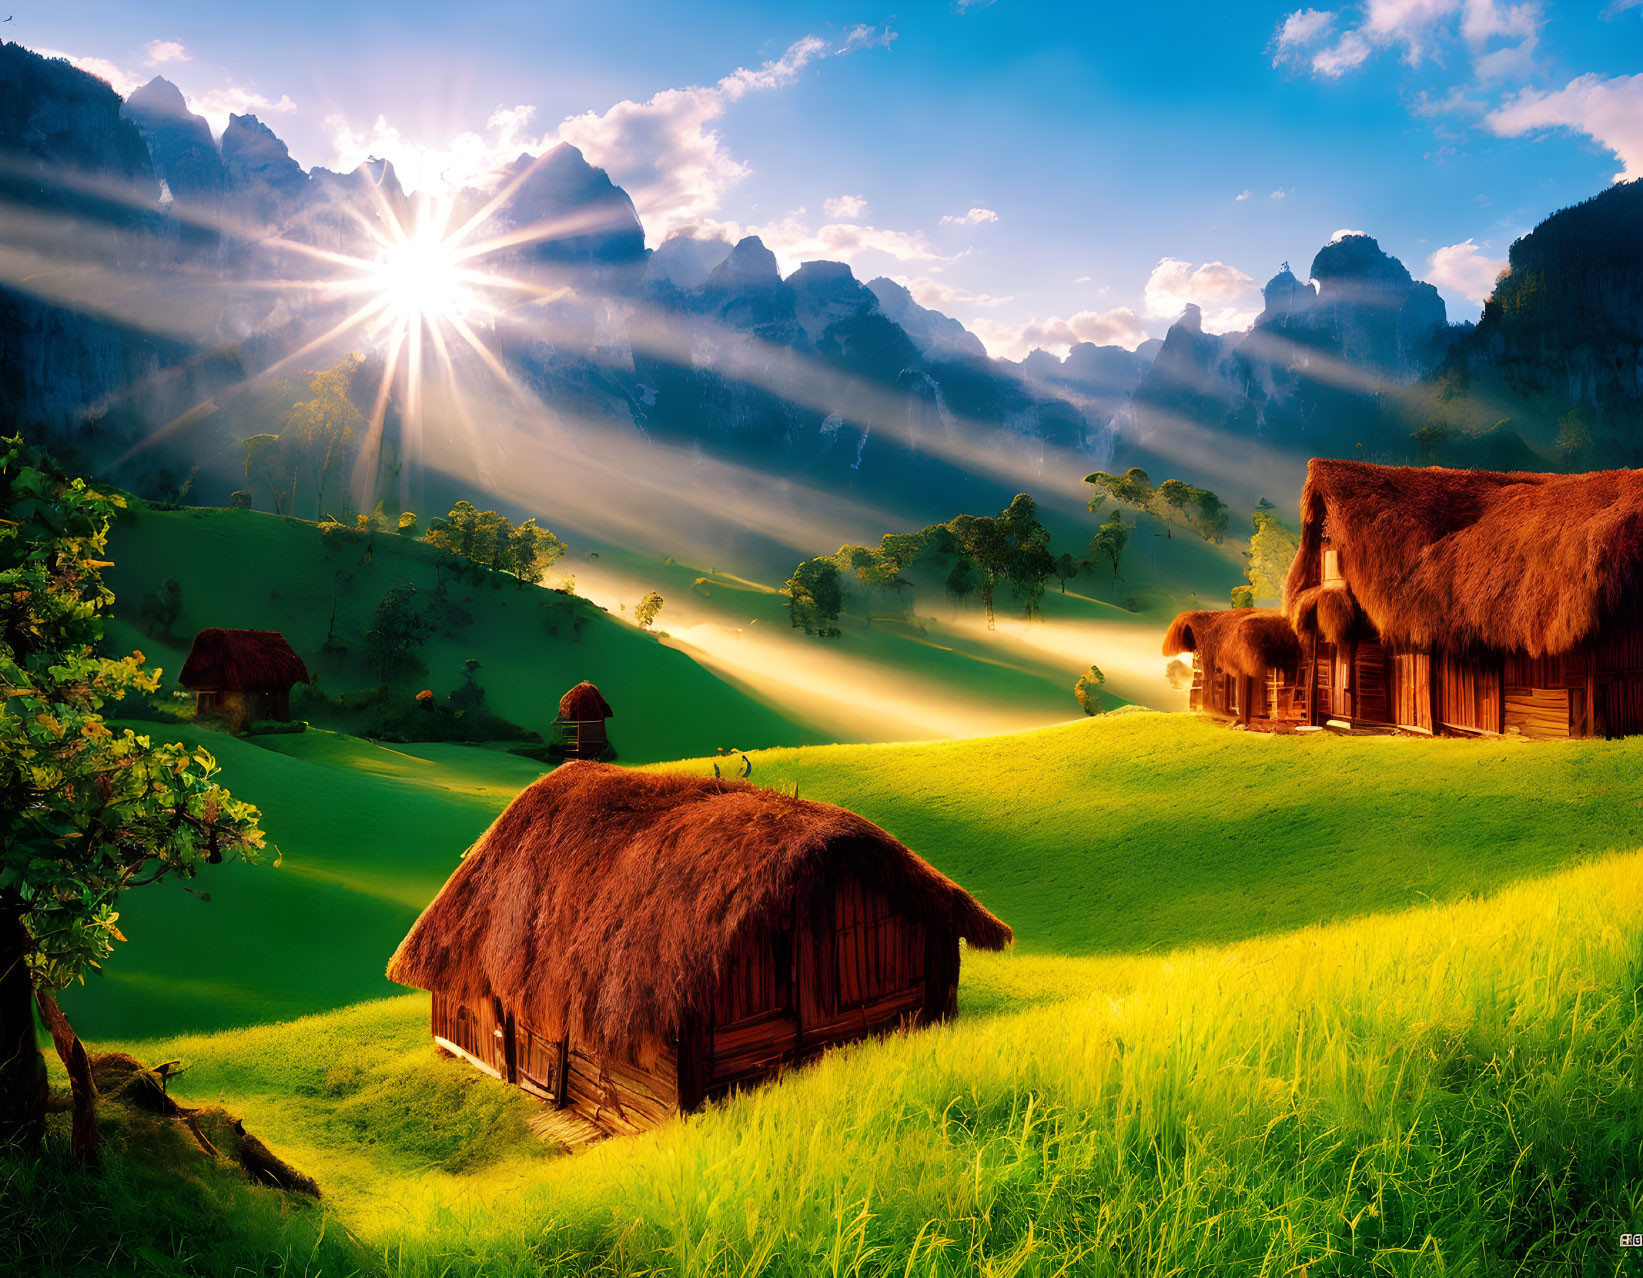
134, 301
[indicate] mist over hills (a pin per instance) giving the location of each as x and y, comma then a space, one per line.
160, 332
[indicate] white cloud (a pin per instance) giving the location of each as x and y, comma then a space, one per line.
794, 241
216, 105
1349, 52
1281, 193
975, 217
1299, 30
1343, 233
1619, 7
1082, 279
1118, 327
165, 51
845, 208
116, 77
1244, 194
863, 36
1420, 30
666, 152
1609, 111
1215, 288
1463, 270
941, 296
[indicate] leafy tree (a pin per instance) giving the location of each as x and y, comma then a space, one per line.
533, 551
407, 524
1272, 549
1243, 597
1011, 548
647, 608
265, 461
322, 433
815, 598
1179, 674
1171, 502
1066, 568
396, 629
1108, 544
1574, 439
85, 812
240, 499
1088, 690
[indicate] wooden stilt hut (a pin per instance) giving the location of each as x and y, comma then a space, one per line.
1246, 663
241, 676
1471, 602
630, 944
582, 714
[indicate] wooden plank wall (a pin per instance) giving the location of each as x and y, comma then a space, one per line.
539, 1062
1371, 699
622, 1096
1618, 683
1411, 679
472, 1030
1470, 694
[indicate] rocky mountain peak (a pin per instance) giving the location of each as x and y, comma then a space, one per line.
748, 264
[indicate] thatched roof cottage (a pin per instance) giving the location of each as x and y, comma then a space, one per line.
1246, 663
1472, 601
630, 944
582, 714
242, 675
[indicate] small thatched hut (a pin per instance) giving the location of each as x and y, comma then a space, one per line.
629, 944
242, 675
1472, 601
1246, 663
582, 714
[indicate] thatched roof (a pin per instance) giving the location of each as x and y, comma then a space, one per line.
607, 900
1246, 641
241, 661
1461, 559
584, 702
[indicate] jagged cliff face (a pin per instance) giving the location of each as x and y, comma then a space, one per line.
184, 154
1567, 318
704, 343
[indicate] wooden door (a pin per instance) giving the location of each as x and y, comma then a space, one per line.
539, 1062
1341, 683
1369, 690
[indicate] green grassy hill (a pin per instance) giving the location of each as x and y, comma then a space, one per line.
940, 672
239, 568
1358, 1005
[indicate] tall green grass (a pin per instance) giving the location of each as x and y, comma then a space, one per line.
1448, 1089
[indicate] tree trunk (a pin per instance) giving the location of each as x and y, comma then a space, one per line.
22, 1068
72, 1052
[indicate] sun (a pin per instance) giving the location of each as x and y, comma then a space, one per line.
421, 279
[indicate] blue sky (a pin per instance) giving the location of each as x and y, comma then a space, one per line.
1045, 172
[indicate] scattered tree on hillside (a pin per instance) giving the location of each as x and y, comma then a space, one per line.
1272, 549
1243, 597
396, 630
322, 433
1088, 690
1107, 545
1574, 439
815, 598
240, 499
265, 464
532, 551
645, 610
85, 812
1066, 568
981, 552
407, 524
1171, 502
490, 542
